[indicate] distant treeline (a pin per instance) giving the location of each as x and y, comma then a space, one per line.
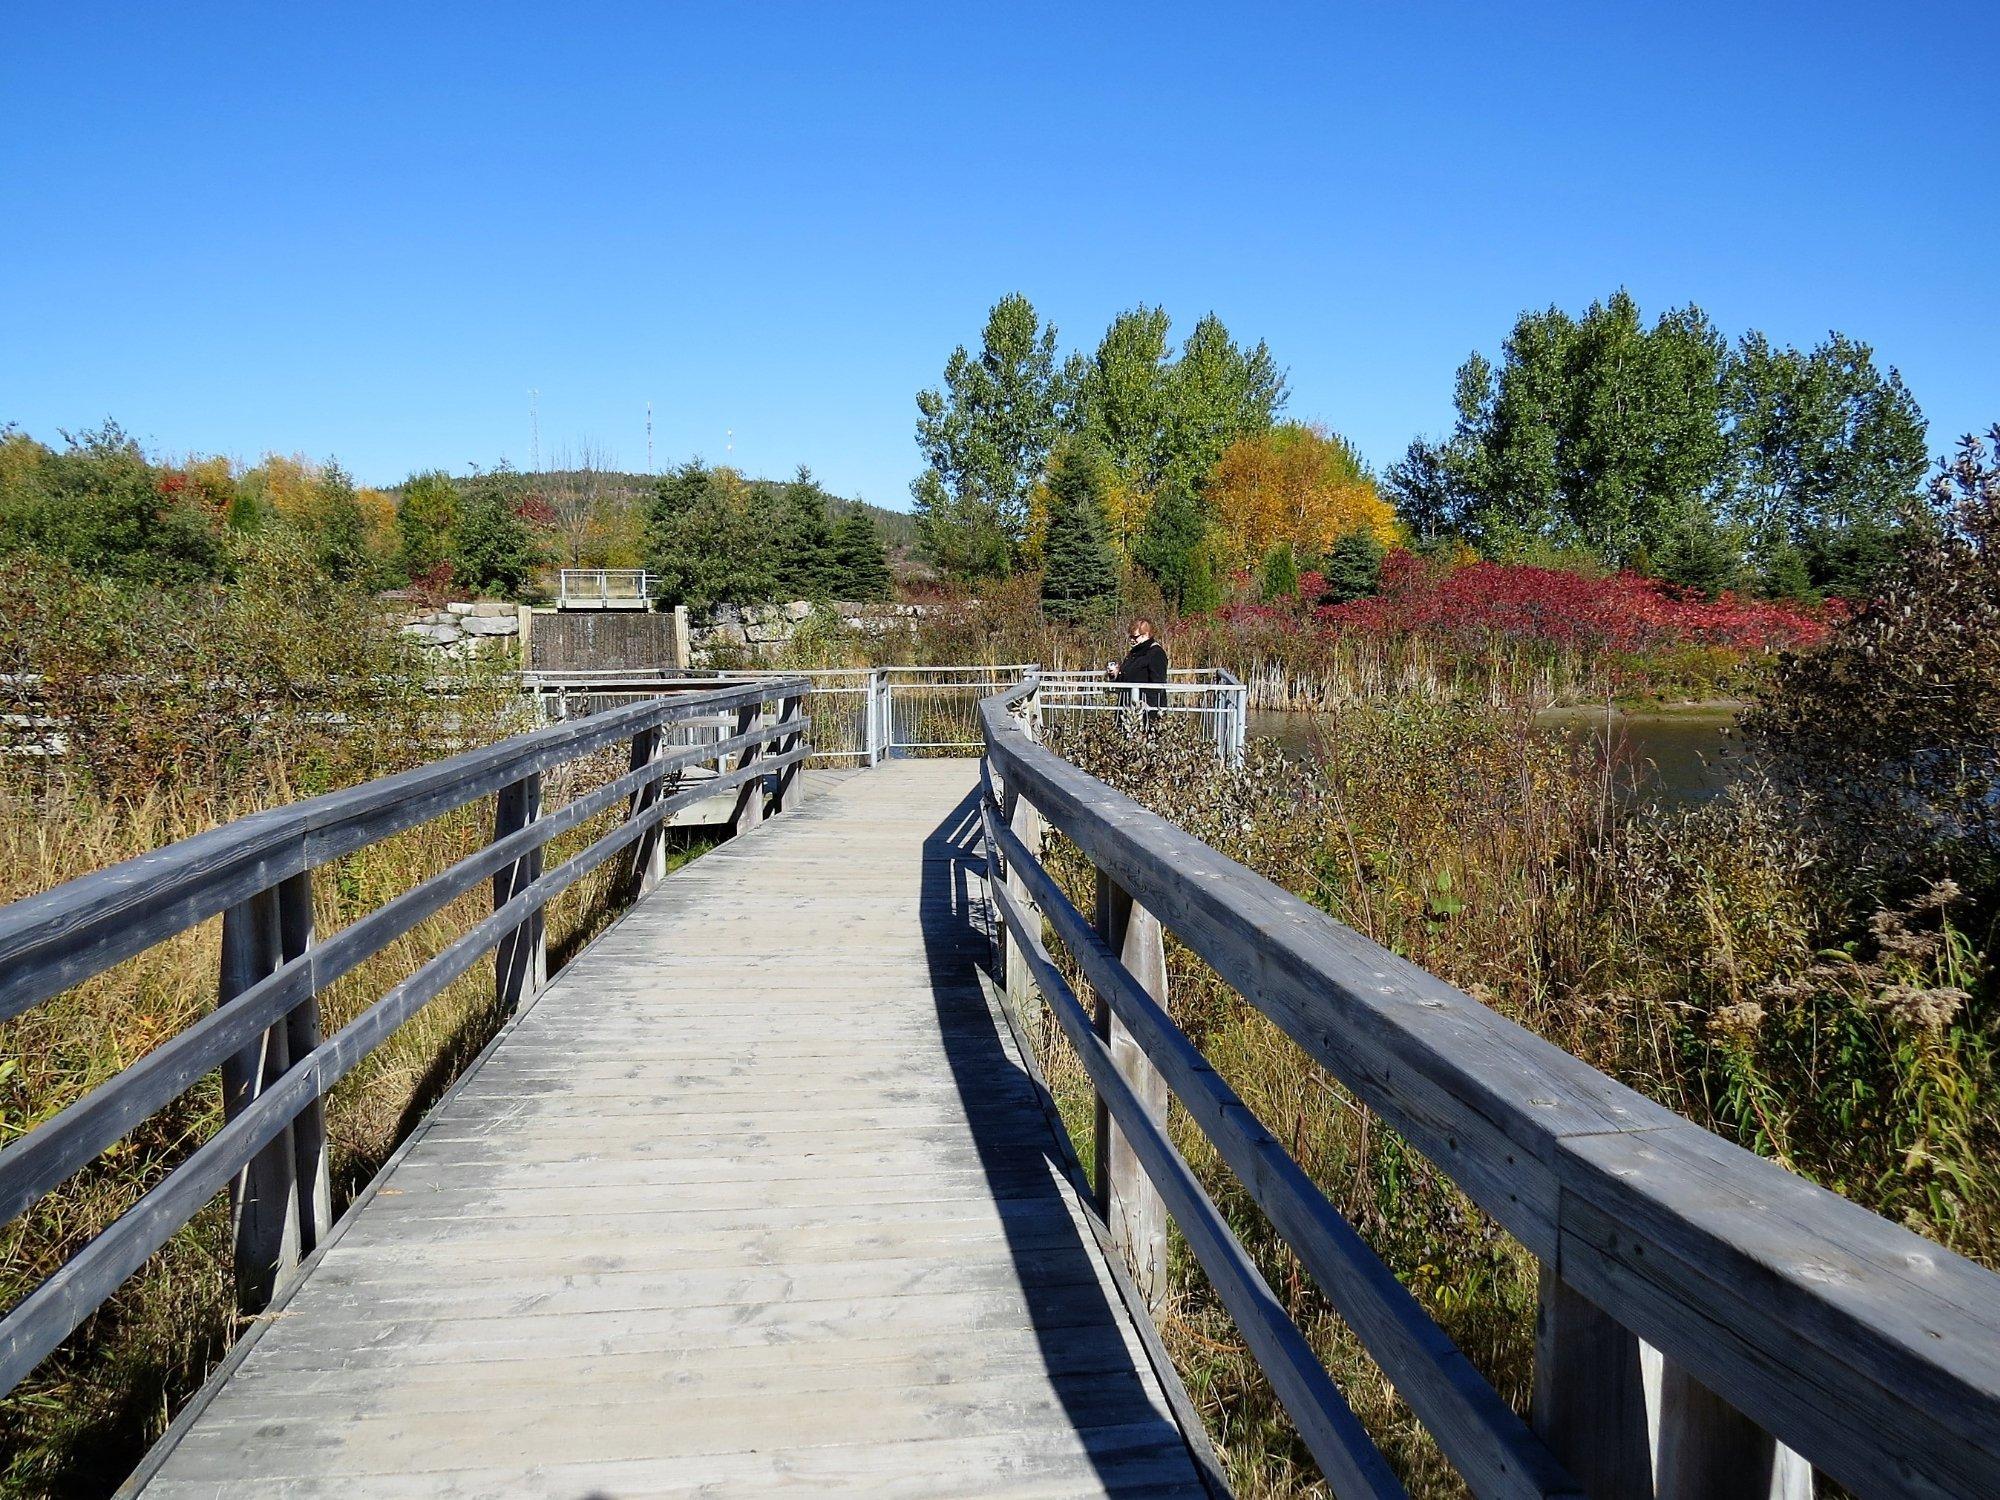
1599, 442
97, 503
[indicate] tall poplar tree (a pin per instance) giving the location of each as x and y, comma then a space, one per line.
985, 436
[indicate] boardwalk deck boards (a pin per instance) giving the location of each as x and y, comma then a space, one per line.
754, 1197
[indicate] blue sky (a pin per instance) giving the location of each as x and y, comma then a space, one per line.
368, 231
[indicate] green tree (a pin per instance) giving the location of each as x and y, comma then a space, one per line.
427, 522
1079, 567
1216, 393
1279, 576
1120, 395
1429, 487
495, 550
805, 563
1595, 432
1831, 456
1352, 568
1175, 551
985, 436
338, 532
98, 505
861, 565
711, 538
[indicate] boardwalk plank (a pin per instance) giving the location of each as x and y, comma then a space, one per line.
755, 1198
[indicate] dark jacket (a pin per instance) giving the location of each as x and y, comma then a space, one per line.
1144, 663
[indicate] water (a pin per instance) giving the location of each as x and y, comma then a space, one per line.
1678, 756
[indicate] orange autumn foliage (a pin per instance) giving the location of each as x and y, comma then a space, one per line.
1296, 484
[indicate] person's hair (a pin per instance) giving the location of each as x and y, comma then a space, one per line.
1142, 621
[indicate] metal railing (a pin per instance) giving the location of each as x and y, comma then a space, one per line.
1711, 1324
603, 588
1211, 696
865, 715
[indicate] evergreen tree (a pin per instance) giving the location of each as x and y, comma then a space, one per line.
495, 550
711, 539
427, 522
985, 437
1352, 568
805, 564
861, 565
1079, 567
1173, 549
1279, 577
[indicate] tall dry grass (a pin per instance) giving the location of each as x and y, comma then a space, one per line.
1699, 956
172, 716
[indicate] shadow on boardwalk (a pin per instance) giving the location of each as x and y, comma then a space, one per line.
1095, 1365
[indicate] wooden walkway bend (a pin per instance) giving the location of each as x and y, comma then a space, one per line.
755, 1196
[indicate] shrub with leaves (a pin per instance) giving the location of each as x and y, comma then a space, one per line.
1892, 729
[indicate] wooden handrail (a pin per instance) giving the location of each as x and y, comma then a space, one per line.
1698, 1299
264, 1031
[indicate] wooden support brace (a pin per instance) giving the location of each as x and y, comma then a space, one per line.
646, 865
264, 1202
750, 796
521, 960
1126, 1197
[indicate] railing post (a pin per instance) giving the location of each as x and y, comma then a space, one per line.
1590, 1394
750, 796
1703, 1446
264, 1202
791, 784
1022, 998
312, 1166
1633, 1425
521, 960
648, 860
1126, 1197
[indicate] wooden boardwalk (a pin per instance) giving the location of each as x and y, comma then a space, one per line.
755, 1197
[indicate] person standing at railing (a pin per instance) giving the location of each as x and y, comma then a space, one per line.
1144, 664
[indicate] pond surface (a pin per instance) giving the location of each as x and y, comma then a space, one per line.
1677, 756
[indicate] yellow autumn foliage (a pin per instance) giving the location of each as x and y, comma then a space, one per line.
1296, 484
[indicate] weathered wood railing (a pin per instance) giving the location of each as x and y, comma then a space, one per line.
1711, 1324
264, 1034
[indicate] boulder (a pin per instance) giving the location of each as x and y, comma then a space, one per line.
490, 625
458, 609
495, 609
799, 609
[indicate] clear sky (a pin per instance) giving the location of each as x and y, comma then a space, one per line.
368, 231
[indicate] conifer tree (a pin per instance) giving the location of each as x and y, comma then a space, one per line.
805, 562
1080, 569
1173, 548
860, 565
